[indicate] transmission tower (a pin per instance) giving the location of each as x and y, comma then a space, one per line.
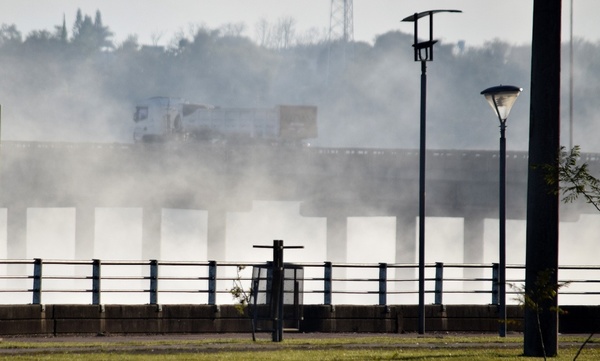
341, 21
341, 34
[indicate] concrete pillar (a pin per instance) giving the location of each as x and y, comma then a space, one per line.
406, 239
216, 235
16, 232
85, 227
473, 247
406, 250
151, 232
473, 242
337, 239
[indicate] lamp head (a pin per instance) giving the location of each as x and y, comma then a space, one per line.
424, 49
501, 99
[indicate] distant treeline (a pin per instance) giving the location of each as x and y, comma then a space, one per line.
74, 83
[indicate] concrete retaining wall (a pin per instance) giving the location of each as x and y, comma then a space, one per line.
398, 319
164, 319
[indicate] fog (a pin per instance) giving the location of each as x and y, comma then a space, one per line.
54, 90
370, 239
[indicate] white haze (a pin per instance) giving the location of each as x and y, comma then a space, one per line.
370, 240
82, 111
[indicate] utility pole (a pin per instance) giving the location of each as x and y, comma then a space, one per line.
542, 199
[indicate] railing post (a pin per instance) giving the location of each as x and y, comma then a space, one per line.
153, 282
96, 277
327, 278
212, 282
495, 283
382, 284
37, 281
439, 282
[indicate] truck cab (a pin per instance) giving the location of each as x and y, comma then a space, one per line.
157, 118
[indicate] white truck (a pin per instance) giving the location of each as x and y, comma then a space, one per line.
162, 119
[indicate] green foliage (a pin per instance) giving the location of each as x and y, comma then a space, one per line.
575, 178
60, 31
545, 289
90, 35
239, 294
9, 35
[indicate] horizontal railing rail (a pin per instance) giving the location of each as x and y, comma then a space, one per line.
31, 281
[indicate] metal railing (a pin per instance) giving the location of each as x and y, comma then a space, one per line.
154, 282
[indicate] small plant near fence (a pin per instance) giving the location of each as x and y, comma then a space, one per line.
544, 290
242, 297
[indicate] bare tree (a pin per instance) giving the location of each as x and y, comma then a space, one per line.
262, 31
311, 36
285, 32
156, 36
232, 29
277, 36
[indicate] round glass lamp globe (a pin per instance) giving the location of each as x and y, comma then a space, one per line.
501, 98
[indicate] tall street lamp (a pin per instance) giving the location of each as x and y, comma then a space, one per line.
423, 53
501, 99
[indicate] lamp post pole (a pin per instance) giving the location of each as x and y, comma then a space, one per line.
502, 232
423, 52
501, 99
422, 158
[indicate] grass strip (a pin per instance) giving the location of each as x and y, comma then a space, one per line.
472, 348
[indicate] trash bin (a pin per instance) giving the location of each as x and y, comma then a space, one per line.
261, 301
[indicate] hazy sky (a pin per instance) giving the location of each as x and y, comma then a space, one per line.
482, 20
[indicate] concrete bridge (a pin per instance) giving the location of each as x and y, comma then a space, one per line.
331, 183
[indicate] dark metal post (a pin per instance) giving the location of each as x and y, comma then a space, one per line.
422, 198
96, 277
571, 76
212, 282
37, 281
494, 283
423, 52
327, 280
502, 98
502, 232
382, 284
540, 335
153, 282
277, 291
439, 282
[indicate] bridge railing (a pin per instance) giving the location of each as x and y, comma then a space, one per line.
40, 281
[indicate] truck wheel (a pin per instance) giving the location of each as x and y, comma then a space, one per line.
177, 124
